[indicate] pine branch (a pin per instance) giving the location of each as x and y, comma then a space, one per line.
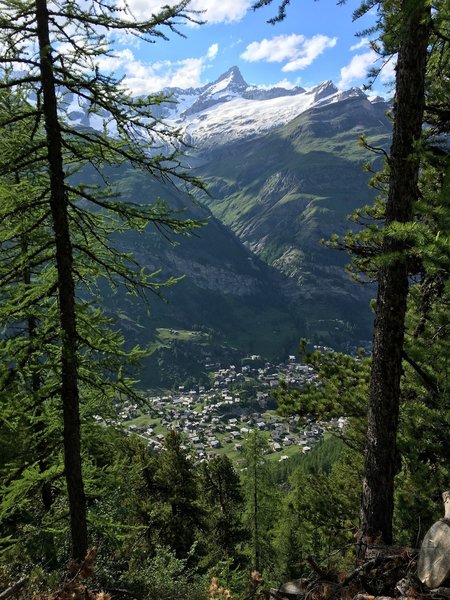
12, 83
427, 380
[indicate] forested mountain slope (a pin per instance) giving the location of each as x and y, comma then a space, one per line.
283, 170
285, 190
227, 302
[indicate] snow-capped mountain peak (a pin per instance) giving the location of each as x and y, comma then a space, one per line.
229, 108
323, 90
231, 81
229, 85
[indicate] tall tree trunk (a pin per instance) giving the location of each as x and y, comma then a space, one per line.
66, 291
256, 515
381, 458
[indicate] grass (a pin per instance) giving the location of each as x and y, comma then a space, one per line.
289, 451
143, 421
229, 451
184, 335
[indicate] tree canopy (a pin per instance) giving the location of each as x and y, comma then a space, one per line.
59, 244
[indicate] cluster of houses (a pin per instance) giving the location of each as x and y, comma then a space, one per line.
268, 374
219, 418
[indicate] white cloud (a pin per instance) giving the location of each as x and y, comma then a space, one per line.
299, 51
212, 11
364, 43
112, 64
359, 67
142, 9
187, 73
387, 74
141, 78
145, 78
311, 49
277, 49
221, 11
212, 51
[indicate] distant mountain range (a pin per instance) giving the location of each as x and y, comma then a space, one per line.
229, 109
283, 169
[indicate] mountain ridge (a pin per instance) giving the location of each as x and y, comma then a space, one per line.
229, 109
282, 173
290, 186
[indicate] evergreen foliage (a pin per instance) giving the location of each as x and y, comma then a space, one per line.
261, 501
162, 524
57, 229
319, 518
224, 502
402, 231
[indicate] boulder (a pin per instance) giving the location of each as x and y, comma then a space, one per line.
434, 559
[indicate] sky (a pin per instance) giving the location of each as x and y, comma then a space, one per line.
317, 41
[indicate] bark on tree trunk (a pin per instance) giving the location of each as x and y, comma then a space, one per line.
66, 290
381, 458
256, 515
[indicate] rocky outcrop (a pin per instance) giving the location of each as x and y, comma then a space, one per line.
223, 279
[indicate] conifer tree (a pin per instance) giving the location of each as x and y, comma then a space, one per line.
180, 517
57, 47
27, 312
382, 461
224, 500
410, 29
261, 501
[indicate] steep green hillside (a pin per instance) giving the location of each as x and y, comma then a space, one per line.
256, 278
285, 191
231, 301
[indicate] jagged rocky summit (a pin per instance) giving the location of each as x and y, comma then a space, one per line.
229, 108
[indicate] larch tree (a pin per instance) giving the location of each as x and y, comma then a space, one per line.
408, 28
260, 500
224, 501
381, 456
27, 315
50, 51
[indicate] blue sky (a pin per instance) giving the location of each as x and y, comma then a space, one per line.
316, 42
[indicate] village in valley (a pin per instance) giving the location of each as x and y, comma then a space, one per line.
217, 419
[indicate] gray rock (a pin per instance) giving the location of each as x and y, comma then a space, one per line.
434, 559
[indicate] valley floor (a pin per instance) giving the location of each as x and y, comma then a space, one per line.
218, 419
